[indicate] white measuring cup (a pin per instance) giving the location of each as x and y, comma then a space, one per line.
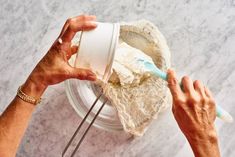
97, 48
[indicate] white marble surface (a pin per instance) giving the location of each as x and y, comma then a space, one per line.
200, 34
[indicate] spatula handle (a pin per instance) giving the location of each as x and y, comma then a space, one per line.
220, 112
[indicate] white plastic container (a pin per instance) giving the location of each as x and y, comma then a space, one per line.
97, 49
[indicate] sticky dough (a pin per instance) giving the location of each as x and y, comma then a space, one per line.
137, 95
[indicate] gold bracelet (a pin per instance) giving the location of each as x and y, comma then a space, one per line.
27, 98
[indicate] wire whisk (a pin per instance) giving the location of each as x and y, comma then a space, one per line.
81, 124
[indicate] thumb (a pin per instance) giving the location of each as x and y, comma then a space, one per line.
82, 74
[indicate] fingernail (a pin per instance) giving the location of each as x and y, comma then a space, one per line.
169, 71
92, 78
90, 72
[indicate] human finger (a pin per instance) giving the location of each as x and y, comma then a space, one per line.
82, 74
84, 22
199, 87
208, 92
64, 28
74, 49
187, 84
80, 17
173, 84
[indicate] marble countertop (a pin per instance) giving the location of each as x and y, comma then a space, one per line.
200, 34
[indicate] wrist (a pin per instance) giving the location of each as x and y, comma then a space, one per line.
208, 135
33, 88
205, 144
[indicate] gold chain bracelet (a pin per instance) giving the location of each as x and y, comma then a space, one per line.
27, 98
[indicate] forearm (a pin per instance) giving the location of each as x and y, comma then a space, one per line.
14, 121
205, 147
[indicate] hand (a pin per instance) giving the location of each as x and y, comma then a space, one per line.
195, 112
54, 67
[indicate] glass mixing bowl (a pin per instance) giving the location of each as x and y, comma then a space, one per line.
82, 94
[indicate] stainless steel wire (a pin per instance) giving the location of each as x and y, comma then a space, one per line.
81, 124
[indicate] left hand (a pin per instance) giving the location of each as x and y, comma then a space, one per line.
54, 67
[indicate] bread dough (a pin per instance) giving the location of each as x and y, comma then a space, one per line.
138, 95
126, 70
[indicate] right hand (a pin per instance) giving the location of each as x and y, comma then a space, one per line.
193, 108
195, 112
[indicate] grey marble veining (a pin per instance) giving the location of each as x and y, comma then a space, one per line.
200, 34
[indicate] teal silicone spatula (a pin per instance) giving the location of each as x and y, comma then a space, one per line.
152, 68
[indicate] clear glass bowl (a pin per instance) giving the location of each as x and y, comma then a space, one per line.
82, 94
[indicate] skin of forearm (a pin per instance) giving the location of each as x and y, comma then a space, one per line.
206, 147
203, 141
14, 121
